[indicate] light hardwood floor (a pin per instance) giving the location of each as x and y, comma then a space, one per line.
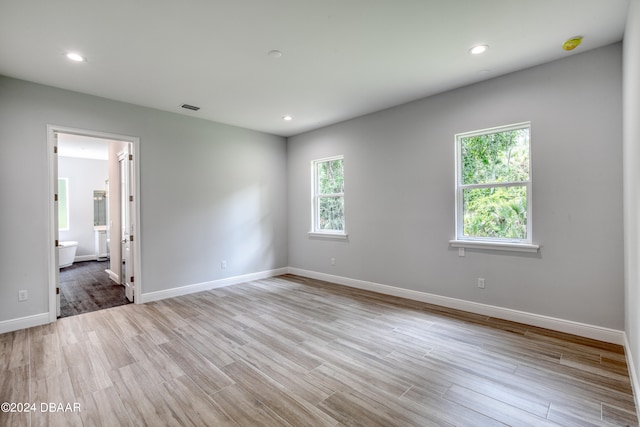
299, 352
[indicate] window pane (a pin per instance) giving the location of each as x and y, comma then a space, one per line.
330, 177
495, 157
331, 215
499, 212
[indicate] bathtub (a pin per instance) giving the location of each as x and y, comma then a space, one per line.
66, 253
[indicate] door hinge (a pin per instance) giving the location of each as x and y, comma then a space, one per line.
57, 243
55, 197
131, 198
57, 290
130, 156
131, 279
55, 149
131, 238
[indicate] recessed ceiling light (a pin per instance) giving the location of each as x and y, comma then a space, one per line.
287, 118
477, 50
275, 53
572, 43
75, 57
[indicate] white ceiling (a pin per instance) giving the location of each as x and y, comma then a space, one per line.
340, 58
82, 147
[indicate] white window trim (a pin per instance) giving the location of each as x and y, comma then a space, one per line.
517, 245
315, 232
339, 235
494, 245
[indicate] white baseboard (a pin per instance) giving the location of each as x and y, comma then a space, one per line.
24, 322
585, 330
81, 258
205, 286
113, 276
562, 325
635, 386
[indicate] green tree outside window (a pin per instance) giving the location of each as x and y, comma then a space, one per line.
329, 195
494, 184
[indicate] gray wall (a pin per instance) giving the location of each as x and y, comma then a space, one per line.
85, 176
632, 181
208, 192
211, 192
399, 193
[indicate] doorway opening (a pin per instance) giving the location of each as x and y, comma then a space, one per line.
94, 261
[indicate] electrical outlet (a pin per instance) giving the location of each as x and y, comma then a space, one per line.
23, 295
480, 282
223, 264
460, 251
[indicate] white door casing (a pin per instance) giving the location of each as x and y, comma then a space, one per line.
52, 234
127, 234
56, 222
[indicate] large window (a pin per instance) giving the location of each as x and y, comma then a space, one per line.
63, 204
328, 196
493, 184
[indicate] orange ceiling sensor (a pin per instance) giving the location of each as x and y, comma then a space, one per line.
572, 43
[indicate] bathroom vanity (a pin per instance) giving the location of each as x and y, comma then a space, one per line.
101, 248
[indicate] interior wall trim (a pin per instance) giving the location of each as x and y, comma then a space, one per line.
113, 276
82, 258
214, 284
635, 385
24, 322
567, 326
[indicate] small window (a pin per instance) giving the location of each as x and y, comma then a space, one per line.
63, 204
493, 185
328, 196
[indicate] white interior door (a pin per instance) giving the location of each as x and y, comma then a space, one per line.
127, 235
56, 232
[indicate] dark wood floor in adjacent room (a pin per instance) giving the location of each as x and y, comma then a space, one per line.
290, 351
86, 286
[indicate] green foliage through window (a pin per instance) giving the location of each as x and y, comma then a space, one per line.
495, 157
329, 195
494, 184
499, 212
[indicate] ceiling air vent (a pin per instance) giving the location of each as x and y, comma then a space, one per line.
190, 107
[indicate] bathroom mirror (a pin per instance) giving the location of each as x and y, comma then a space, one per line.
99, 208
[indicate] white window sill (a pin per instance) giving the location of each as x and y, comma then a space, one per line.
496, 246
328, 235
